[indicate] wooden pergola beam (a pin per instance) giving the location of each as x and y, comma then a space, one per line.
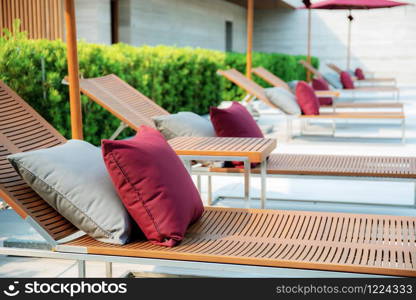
73, 72
250, 21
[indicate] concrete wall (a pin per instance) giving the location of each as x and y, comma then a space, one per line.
383, 40
94, 21
195, 23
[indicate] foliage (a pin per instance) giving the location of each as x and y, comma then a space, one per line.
179, 79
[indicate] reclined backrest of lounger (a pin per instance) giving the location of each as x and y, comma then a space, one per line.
311, 68
122, 100
23, 129
270, 78
335, 68
246, 84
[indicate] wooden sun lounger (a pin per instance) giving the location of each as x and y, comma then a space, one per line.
277, 82
367, 80
224, 239
117, 96
371, 89
257, 91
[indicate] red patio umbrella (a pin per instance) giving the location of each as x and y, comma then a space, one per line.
350, 5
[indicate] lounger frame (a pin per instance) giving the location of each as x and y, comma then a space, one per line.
370, 244
395, 92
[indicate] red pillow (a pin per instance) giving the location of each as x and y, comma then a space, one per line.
346, 81
359, 74
320, 84
306, 98
154, 185
234, 121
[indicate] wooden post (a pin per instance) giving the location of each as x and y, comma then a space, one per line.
250, 20
115, 12
349, 44
309, 59
73, 78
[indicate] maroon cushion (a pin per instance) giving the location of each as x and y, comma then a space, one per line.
346, 81
359, 74
154, 185
320, 84
234, 121
307, 100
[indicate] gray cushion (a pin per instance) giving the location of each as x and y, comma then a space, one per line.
183, 124
73, 179
333, 80
283, 99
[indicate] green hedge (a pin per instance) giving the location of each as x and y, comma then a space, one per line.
179, 79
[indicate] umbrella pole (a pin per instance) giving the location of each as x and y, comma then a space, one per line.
73, 78
350, 18
250, 20
308, 73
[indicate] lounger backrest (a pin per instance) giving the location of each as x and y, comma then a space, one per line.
270, 78
335, 68
311, 68
23, 129
248, 85
122, 100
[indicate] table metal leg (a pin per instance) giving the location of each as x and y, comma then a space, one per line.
198, 183
109, 269
187, 164
247, 170
263, 170
81, 269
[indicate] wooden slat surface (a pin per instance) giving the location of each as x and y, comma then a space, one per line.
337, 165
254, 89
308, 240
246, 84
339, 70
367, 105
122, 100
356, 115
23, 129
270, 78
256, 149
291, 239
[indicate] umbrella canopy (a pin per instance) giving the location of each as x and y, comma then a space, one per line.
355, 4
347, 5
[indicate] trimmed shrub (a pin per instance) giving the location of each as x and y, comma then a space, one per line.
179, 79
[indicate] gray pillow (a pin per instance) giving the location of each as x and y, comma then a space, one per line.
292, 84
183, 124
283, 99
73, 179
333, 80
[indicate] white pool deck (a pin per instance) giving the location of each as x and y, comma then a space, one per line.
374, 141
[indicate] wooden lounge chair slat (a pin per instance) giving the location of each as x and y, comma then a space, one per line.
122, 100
277, 82
255, 149
256, 90
270, 78
246, 236
318, 74
336, 165
287, 247
339, 70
